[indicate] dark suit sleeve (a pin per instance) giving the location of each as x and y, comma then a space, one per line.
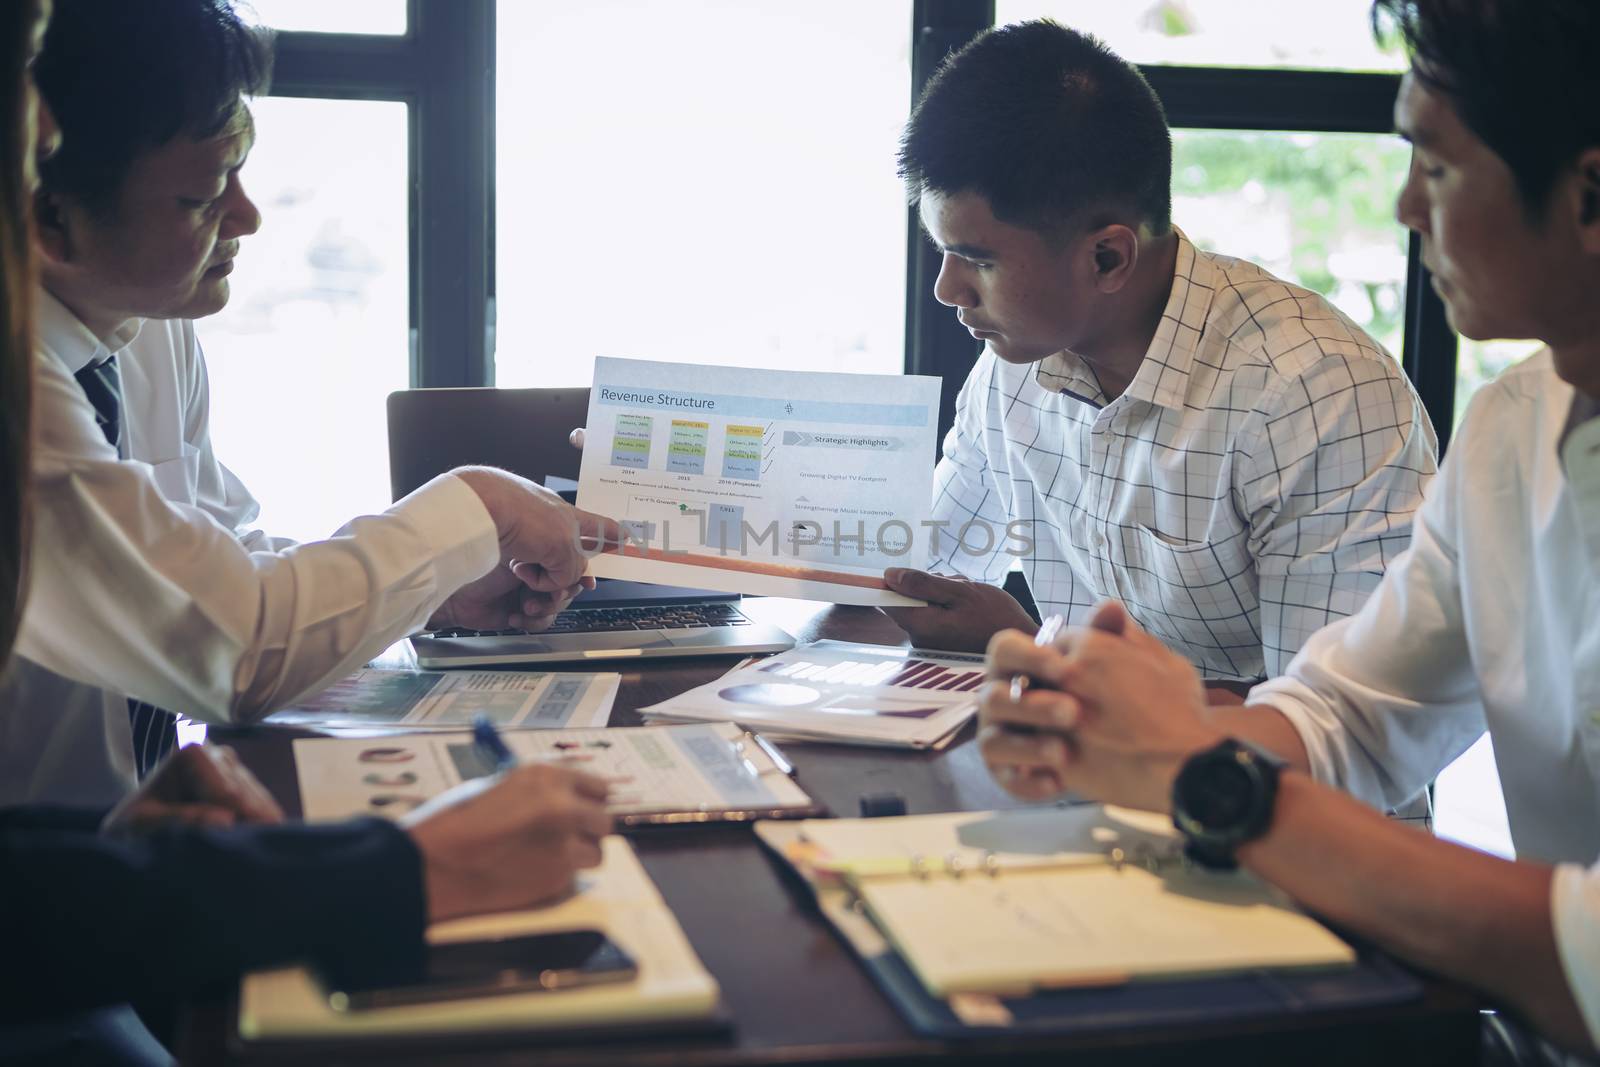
87, 920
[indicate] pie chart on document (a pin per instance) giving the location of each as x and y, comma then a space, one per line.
770, 694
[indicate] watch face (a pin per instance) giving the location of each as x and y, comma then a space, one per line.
1221, 796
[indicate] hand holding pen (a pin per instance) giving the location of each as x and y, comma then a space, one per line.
490, 745
1027, 718
1045, 638
1050, 652
511, 840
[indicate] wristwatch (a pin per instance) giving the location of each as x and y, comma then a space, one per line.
1222, 798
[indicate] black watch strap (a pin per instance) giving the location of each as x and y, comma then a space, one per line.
1211, 857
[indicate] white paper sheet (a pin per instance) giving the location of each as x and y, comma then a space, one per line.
838, 691
777, 483
452, 699
697, 768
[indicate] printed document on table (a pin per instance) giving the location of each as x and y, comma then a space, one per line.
838, 691
453, 699
703, 769
780, 483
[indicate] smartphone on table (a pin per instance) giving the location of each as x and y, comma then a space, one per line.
459, 970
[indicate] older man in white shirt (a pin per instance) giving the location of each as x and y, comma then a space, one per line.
146, 582
1488, 620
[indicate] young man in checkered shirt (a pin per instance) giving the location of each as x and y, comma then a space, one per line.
1224, 452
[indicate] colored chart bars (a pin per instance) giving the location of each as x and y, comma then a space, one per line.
630, 444
741, 453
909, 673
686, 447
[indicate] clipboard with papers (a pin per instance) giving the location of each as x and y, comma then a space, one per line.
661, 775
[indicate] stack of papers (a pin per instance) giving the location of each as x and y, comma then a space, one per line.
453, 699
838, 691
617, 897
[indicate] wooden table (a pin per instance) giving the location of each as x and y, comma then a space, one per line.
795, 993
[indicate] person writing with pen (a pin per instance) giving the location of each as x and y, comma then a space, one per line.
198, 876
1487, 621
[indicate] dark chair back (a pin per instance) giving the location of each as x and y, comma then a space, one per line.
521, 430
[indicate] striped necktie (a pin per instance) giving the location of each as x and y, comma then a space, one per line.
102, 384
155, 730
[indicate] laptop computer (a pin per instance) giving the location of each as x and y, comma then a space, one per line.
525, 431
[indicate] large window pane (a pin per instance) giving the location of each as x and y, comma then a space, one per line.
707, 181
1313, 208
317, 332
339, 16
1305, 34
1468, 804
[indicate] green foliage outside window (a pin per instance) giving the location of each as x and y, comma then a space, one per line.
1315, 209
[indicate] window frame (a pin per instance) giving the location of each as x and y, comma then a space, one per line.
444, 68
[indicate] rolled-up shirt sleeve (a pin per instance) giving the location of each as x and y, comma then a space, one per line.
1385, 699
1575, 915
132, 592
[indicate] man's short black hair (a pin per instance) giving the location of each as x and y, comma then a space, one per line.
1523, 76
126, 76
1049, 125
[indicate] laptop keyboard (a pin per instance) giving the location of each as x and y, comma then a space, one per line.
606, 620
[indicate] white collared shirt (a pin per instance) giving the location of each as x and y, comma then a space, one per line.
1491, 619
145, 580
1249, 486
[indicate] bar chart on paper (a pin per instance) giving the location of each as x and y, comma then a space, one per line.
912, 673
836, 690
778, 483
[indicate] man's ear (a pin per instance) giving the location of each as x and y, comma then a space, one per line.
50, 227
1588, 200
1116, 252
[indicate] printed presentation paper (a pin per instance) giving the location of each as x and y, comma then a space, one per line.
779, 483
452, 699
837, 691
707, 768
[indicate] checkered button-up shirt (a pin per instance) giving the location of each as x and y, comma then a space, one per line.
1249, 486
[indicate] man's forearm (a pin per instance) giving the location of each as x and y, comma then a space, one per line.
1264, 726
1464, 914
1226, 694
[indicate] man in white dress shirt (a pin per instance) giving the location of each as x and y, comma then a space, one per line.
1491, 619
1226, 452
146, 581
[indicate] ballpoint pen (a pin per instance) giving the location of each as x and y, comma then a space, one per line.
488, 742
1046, 636
777, 758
